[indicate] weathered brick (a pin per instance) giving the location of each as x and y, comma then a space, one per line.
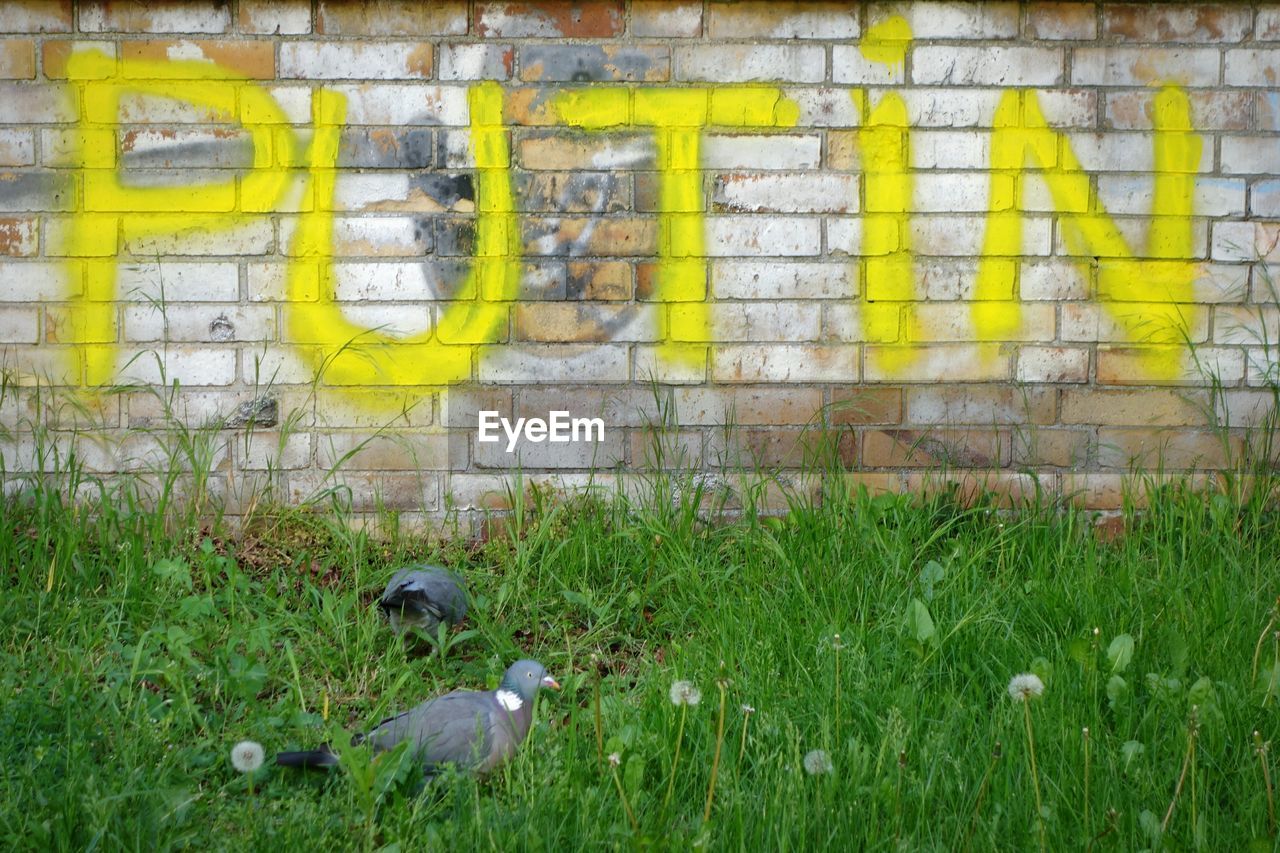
1266, 26
368, 491
263, 449
728, 236
188, 365
1060, 21
388, 451
557, 151
824, 107
666, 18
29, 103
199, 323
951, 448
579, 192
1210, 110
711, 406
391, 18
788, 19
154, 16
935, 363
36, 190
1089, 321
987, 66
734, 63
858, 406
330, 61
563, 63
1164, 449
19, 325
549, 19
943, 321
579, 322
784, 363
1121, 365
36, 16
252, 237
609, 237
17, 59
476, 61
850, 65
980, 406
405, 104
1133, 66
1253, 325
1146, 407
597, 280
18, 236
1144, 22
177, 281
274, 17
954, 20
254, 59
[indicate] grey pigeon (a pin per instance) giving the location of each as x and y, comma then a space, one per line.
422, 597
475, 730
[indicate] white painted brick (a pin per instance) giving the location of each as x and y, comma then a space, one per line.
807, 193
1252, 325
652, 365
824, 107
954, 20
776, 236
766, 321
189, 365
354, 60
848, 65
845, 322
175, 148
1144, 66
951, 107
763, 19
1123, 152
1087, 322
1250, 155
476, 61
950, 149
666, 19
355, 191
775, 151
1233, 241
293, 100
102, 16
251, 237
384, 319
261, 450
959, 192
202, 323
1053, 364
272, 364
1252, 67
844, 234
36, 103
1135, 194
1067, 108
554, 363
987, 66
141, 108
1052, 281
378, 236
963, 235
947, 322
785, 363
1134, 231
1217, 283
386, 281
400, 104
177, 281
36, 282
782, 280
19, 325
17, 147
946, 279
731, 63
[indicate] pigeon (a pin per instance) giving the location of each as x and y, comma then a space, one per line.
422, 597
475, 730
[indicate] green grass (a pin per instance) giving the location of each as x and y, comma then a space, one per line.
137, 648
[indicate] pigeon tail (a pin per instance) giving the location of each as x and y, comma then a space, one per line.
322, 757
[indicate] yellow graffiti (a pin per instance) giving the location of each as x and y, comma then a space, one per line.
1126, 283
678, 118
888, 285
349, 354
112, 211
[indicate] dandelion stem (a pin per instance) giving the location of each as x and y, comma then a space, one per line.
1193, 731
742, 742
1261, 749
1085, 733
897, 799
837, 645
1035, 776
715, 762
599, 720
675, 759
626, 806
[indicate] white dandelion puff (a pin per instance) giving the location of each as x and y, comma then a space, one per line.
817, 763
246, 756
615, 758
685, 693
747, 709
1025, 686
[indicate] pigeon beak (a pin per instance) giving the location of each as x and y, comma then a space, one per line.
548, 681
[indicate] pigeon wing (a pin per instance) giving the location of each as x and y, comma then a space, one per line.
457, 728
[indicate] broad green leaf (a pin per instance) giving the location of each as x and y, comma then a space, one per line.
919, 622
1120, 653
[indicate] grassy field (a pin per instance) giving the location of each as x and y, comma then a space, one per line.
138, 648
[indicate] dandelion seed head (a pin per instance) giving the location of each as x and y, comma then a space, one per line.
615, 759
246, 756
1025, 686
817, 763
685, 693
748, 710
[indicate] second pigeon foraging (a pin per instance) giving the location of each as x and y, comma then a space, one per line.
423, 597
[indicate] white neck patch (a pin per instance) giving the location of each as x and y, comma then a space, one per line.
509, 700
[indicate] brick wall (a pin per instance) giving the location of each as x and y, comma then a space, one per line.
1012, 240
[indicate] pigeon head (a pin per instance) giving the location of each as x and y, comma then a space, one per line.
524, 677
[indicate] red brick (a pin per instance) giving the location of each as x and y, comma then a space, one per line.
549, 19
